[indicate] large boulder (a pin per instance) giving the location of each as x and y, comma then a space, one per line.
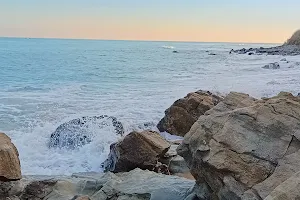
10, 168
244, 148
184, 112
134, 185
79, 132
136, 150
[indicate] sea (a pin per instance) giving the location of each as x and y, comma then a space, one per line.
47, 82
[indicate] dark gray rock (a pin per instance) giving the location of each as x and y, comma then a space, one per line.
285, 50
134, 185
78, 132
283, 60
272, 66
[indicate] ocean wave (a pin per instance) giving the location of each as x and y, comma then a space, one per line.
168, 47
27, 89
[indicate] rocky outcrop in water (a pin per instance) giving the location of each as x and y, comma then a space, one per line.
272, 66
136, 150
244, 148
10, 168
133, 185
79, 132
285, 50
184, 112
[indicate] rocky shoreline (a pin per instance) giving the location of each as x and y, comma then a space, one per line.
235, 147
284, 50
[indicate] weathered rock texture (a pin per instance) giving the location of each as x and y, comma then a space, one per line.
134, 185
136, 150
288, 190
244, 148
9, 160
184, 112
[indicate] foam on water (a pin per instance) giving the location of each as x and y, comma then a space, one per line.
45, 83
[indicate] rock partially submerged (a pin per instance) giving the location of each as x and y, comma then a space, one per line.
272, 66
133, 185
285, 50
136, 150
244, 148
184, 112
79, 132
10, 168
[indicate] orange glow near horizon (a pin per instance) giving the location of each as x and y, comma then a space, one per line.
214, 21
80, 29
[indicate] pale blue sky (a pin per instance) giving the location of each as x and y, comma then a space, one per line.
189, 20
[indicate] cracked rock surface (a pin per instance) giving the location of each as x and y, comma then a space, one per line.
134, 185
244, 148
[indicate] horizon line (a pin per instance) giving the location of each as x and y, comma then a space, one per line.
130, 40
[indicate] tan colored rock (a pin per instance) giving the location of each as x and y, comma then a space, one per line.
10, 168
244, 148
137, 150
184, 112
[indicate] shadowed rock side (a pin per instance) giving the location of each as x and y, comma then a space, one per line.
79, 132
133, 185
10, 168
244, 148
184, 112
136, 150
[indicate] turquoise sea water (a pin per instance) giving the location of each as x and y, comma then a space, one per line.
45, 82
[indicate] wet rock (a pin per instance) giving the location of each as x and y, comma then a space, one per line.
272, 66
212, 54
184, 112
244, 148
283, 60
10, 168
136, 150
37, 190
285, 50
134, 185
79, 132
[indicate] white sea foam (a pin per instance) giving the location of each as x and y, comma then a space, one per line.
168, 47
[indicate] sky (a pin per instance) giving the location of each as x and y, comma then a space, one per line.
268, 21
